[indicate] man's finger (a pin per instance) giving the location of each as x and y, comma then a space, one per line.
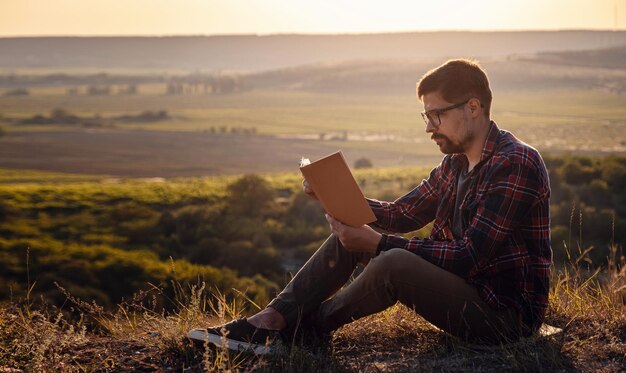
307, 189
332, 222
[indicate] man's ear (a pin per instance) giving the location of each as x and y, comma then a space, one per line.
475, 106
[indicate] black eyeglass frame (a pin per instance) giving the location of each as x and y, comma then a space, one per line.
426, 115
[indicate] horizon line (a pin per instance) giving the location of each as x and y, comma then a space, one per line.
310, 33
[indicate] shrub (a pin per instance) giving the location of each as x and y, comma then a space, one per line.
559, 191
363, 163
595, 194
577, 173
94, 90
614, 174
250, 195
17, 92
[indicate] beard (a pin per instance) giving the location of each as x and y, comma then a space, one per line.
446, 146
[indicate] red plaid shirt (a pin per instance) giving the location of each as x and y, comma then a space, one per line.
505, 250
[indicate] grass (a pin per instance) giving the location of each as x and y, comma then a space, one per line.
11, 176
20, 185
81, 336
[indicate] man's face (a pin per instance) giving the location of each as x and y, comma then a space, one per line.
452, 134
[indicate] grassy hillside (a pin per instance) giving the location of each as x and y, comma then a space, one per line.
136, 337
104, 273
613, 57
107, 238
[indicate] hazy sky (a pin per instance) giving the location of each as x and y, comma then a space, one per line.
209, 17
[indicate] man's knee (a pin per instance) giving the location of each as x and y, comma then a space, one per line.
402, 265
394, 261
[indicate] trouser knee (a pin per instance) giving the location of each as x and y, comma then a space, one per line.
401, 271
390, 263
389, 267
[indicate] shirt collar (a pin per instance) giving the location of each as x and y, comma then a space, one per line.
490, 142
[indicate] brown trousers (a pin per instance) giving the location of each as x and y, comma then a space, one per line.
443, 298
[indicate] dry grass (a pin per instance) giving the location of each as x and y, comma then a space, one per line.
136, 337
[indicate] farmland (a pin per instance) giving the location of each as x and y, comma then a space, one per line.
231, 134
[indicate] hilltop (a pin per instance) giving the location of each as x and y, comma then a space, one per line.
254, 52
109, 274
139, 339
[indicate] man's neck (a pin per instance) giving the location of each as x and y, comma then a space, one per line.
475, 150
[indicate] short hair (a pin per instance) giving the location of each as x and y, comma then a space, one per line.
457, 80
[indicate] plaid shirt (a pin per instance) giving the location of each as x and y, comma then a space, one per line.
505, 250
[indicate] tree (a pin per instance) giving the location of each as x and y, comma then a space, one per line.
17, 92
95, 90
577, 173
614, 174
250, 195
131, 89
62, 116
363, 163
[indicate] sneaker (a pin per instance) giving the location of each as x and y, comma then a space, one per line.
237, 335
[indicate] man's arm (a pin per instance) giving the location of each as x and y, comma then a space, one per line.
407, 213
411, 211
513, 190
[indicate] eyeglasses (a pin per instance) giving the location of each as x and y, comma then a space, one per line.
434, 115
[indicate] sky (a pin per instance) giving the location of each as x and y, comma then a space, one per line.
220, 17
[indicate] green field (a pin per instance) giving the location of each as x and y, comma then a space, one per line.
235, 132
297, 112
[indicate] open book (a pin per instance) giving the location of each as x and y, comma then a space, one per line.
335, 187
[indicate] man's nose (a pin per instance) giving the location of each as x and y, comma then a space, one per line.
430, 127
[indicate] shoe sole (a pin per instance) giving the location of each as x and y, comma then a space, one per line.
231, 344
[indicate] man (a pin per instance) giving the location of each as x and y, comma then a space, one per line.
482, 275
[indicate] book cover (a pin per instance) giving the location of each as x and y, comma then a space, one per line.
337, 190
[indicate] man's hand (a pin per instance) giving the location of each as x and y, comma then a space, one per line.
307, 189
363, 238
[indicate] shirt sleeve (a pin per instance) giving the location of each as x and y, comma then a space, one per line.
509, 193
411, 211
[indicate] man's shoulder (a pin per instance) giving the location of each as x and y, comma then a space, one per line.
512, 155
514, 151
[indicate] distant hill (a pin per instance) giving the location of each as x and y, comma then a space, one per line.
612, 58
568, 70
251, 52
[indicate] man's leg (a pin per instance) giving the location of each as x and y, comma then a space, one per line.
321, 277
325, 273
439, 296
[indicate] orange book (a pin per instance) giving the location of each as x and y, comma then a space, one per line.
335, 187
